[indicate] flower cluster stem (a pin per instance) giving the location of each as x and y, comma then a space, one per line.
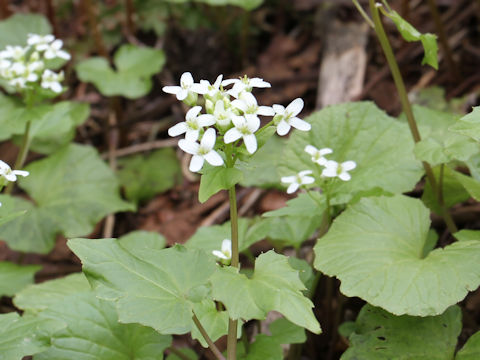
22, 155
209, 341
407, 108
232, 324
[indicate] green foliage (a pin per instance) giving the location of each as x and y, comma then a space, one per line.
469, 125
14, 278
381, 147
156, 288
72, 188
379, 335
131, 77
409, 33
376, 249
471, 350
140, 240
143, 177
24, 335
217, 178
15, 29
245, 4
285, 332
253, 298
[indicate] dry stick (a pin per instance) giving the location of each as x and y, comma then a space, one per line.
209, 341
452, 66
407, 108
130, 9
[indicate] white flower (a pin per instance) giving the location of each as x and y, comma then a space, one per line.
51, 80
54, 51
194, 122
296, 181
211, 89
40, 42
203, 151
248, 104
244, 84
222, 116
288, 117
14, 52
334, 169
226, 252
18, 82
318, 155
187, 85
244, 128
9, 174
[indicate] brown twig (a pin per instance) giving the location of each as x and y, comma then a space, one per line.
94, 29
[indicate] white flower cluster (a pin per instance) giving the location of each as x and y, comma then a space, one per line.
331, 169
26, 67
233, 112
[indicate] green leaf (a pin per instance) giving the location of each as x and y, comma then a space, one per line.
439, 144
14, 30
93, 331
273, 286
245, 4
381, 335
24, 335
285, 332
453, 191
471, 350
261, 168
381, 147
409, 33
55, 127
150, 286
73, 189
143, 177
469, 183
469, 125
375, 248
216, 179
291, 230
142, 240
38, 297
132, 77
263, 348
187, 352
14, 278
466, 235
303, 205
209, 238
11, 119
305, 271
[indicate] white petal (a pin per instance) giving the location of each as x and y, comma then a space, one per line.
208, 139
213, 158
196, 163
172, 89
220, 254
260, 83
219, 107
10, 176
192, 135
310, 149
239, 121
253, 122
308, 180
292, 188
227, 245
227, 82
300, 124
265, 111
178, 129
232, 135
279, 109
349, 165
239, 104
186, 79
218, 81
249, 98
250, 142
205, 120
200, 88
182, 94
295, 107
283, 128
345, 176
4, 165
288, 179
56, 87
325, 151
305, 172
21, 172
193, 112
190, 147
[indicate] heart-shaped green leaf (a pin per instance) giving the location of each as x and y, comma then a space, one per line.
14, 278
469, 125
376, 247
151, 287
131, 78
217, 178
381, 147
275, 285
73, 189
379, 335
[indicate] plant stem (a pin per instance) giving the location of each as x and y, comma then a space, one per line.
94, 29
363, 13
407, 108
232, 324
209, 341
22, 155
